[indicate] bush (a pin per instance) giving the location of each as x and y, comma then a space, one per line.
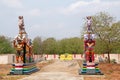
113, 61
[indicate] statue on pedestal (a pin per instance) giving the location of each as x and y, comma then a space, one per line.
22, 44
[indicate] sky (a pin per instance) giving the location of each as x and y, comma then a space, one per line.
52, 18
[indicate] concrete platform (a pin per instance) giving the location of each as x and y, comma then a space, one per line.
103, 76
23, 69
90, 69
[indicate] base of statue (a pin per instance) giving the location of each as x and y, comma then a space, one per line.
90, 69
23, 68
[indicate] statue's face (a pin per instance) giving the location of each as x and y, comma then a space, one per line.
89, 36
20, 17
89, 40
19, 41
89, 17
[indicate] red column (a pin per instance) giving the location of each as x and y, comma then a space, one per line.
47, 56
81, 55
54, 56
74, 55
103, 55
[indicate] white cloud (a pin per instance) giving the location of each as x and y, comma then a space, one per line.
12, 3
89, 6
76, 5
30, 13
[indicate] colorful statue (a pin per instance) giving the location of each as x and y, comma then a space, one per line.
90, 67
22, 44
89, 42
25, 63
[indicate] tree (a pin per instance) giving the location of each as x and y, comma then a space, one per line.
37, 45
5, 45
76, 45
71, 45
99, 46
107, 31
68, 45
49, 46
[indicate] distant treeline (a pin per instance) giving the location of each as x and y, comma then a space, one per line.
6, 45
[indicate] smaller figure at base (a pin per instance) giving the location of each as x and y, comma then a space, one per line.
19, 49
89, 56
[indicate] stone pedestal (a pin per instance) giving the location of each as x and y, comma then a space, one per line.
25, 68
90, 69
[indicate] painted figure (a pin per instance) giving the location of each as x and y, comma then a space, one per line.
90, 67
18, 44
22, 44
21, 24
89, 44
89, 22
89, 56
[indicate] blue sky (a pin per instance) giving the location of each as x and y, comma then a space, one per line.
52, 18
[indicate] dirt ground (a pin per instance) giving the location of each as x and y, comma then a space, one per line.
59, 70
63, 70
5, 69
111, 72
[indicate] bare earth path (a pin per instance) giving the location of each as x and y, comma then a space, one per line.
59, 70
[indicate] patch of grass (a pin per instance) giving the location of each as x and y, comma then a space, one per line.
111, 71
2, 74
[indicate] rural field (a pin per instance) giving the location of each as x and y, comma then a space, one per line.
63, 70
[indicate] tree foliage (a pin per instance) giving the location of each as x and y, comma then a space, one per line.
49, 46
5, 45
107, 32
37, 45
71, 45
